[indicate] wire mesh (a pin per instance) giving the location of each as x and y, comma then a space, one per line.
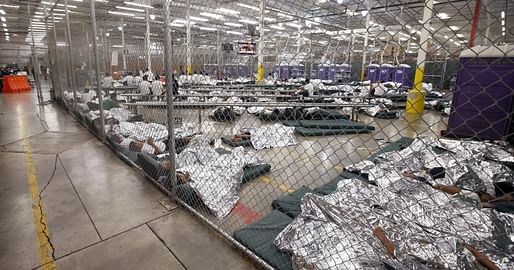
313, 134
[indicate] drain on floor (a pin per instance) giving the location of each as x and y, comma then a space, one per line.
166, 203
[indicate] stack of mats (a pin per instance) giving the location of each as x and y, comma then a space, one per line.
152, 167
16, 84
328, 127
259, 236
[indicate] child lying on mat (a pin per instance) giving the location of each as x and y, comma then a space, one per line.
503, 191
242, 136
182, 178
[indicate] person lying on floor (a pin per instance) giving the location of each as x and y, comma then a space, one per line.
149, 146
242, 136
503, 191
182, 178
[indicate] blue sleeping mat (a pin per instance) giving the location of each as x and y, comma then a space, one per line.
259, 236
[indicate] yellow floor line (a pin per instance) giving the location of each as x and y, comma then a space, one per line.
283, 187
43, 246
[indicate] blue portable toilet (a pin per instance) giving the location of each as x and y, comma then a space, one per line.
386, 72
403, 74
373, 73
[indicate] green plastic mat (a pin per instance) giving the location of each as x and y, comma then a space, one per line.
328, 132
259, 237
243, 143
290, 204
332, 185
393, 146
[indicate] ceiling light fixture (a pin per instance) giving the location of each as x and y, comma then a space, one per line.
207, 28
249, 21
131, 9
200, 19
228, 11
152, 17
233, 24
2, 11
248, 6
212, 15
137, 4
3, 19
121, 13
235, 33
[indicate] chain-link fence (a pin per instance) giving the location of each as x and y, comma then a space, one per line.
310, 134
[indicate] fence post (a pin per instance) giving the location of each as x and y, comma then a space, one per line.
70, 56
99, 92
56, 72
35, 64
168, 55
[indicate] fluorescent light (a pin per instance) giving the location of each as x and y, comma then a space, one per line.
443, 16
503, 14
269, 19
176, 25
294, 25
235, 33
61, 5
233, 24
121, 13
454, 28
3, 19
200, 19
249, 21
152, 17
2, 12
364, 13
120, 28
182, 21
408, 26
137, 4
460, 35
131, 9
9, 6
248, 6
212, 15
207, 28
107, 34
228, 11
283, 15
4, 24
117, 46
278, 27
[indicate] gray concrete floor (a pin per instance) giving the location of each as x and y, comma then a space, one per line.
100, 213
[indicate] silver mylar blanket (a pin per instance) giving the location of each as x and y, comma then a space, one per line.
215, 178
276, 135
426, 226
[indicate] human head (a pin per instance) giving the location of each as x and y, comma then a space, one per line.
130, 73
107, 74
145, 78
157, 77
307, 81
135, 146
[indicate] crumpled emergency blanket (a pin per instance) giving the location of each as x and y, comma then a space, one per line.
215, 178
276, 135
427, 227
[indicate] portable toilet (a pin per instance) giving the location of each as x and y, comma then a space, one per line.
243, 71
386, 72
403, 74
297, 71
323, 71
483, 101
373, 73
341, 73
332, 70
282, 72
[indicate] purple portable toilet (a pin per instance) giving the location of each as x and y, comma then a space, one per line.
297, 71
346, 72
243, 71
282, 72
403, 74
332, 70
373, 73
323, 71
483, 101
340, 73
386, 72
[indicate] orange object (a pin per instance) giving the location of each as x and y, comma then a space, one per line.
16, 84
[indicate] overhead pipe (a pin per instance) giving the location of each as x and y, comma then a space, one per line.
474, 24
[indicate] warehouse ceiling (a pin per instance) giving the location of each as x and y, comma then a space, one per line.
291, 25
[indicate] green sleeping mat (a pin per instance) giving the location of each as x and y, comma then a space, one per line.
259, 236
290, 204
332, 185
387, 115
400, 144
328, 124
327, 132
243, 143
187, 194
131, 155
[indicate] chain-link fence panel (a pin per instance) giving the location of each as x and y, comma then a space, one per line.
311, 134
